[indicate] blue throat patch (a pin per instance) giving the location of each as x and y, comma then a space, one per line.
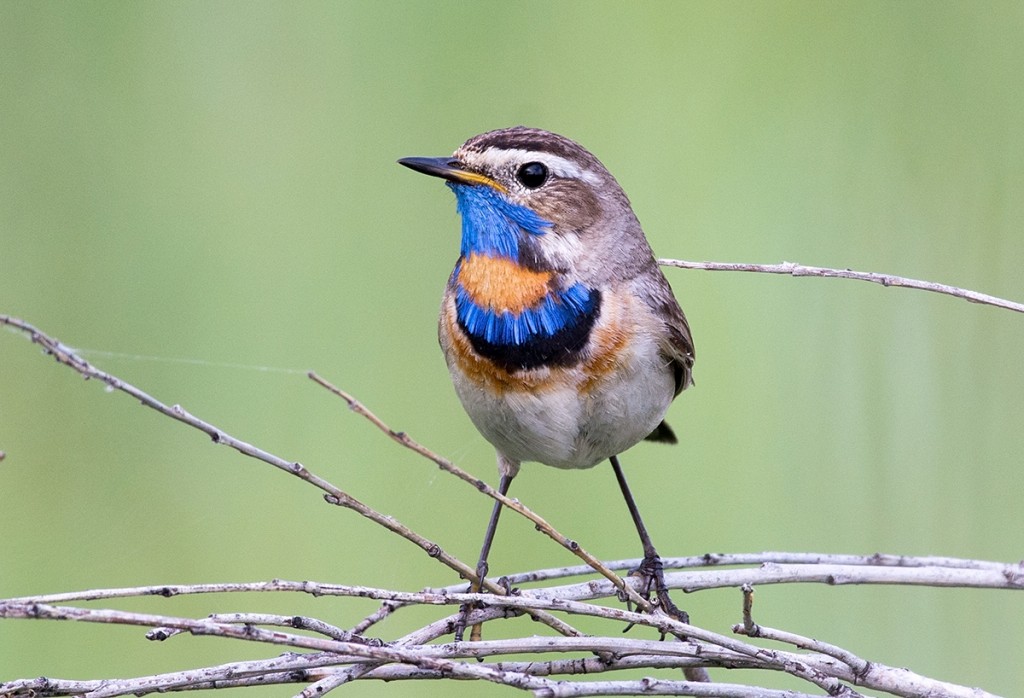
491, 224
552, 332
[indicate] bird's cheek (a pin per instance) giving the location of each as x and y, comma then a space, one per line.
569, 205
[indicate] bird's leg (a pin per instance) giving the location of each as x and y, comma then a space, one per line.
651, 568
481, 565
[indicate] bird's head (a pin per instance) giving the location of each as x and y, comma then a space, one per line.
542, 201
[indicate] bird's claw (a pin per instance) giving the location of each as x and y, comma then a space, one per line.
652, 572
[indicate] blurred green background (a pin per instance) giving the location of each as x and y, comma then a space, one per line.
216, 181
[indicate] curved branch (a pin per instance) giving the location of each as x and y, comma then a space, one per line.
515, 505
794, 269
333, 495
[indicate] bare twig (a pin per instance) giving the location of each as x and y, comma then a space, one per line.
1007, 575
1011, 576
658, 687
794, 269
297, 622
826, 665
385, 653
895, 680
515, 505
229, 676
959, 573
333, 495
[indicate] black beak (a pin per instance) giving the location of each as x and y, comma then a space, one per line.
448, 168
435, 167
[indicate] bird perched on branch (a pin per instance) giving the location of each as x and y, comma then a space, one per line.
562, 336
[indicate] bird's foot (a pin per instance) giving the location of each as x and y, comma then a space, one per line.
467, 608
652, 572
462, 620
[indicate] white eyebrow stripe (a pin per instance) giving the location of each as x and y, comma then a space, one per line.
495, 159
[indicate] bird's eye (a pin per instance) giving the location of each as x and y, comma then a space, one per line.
532, 174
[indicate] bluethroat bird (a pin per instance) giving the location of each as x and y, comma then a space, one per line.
561, 334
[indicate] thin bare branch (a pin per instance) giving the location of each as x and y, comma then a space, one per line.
958, 573
333, 495
775, 557
794, 269
819, 671
894, 680
515, 505
297, 622
779, 661
658, 687
1009, 577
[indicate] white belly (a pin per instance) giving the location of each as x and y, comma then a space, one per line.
567, 421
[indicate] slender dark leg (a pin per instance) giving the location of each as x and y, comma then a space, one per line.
481, 565
492, 526
651, 567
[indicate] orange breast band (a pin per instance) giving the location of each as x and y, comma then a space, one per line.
501, 284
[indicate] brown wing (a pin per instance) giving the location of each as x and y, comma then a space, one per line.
677, 342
